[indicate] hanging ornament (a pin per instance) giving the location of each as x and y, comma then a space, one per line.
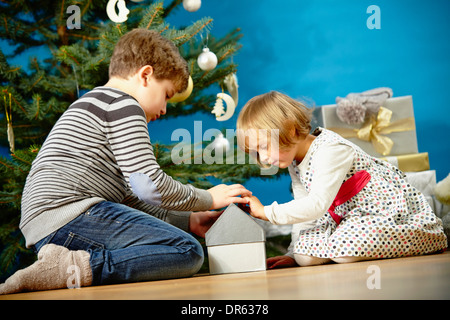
219, 110
232, 86
9, 127
207, 60
123, 11
192, 5
181, 96
220, 143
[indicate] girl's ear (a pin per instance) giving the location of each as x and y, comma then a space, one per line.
290, 129
144, 74
293, 132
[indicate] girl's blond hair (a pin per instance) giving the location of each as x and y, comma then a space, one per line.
272, 111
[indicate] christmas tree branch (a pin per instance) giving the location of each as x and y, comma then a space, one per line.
79, 60
173, 5
155, 11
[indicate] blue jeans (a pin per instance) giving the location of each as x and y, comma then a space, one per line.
127, 245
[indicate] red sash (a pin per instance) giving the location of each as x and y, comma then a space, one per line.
348, 189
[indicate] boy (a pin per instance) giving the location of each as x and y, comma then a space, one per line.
78, 209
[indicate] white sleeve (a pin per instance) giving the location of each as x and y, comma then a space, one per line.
297, 188
330, 165
296, 228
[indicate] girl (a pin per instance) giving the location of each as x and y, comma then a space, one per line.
348, 205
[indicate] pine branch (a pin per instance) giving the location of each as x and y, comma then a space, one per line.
153, 16
171, 7
79, 61
202, 25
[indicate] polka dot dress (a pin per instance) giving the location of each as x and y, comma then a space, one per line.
388, 218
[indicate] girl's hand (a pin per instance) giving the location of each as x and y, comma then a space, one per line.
256, 209
280, 262
223, 195
200, 222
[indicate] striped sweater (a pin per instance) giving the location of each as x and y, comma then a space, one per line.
88, 157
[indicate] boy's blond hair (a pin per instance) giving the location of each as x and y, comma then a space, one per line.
272, 111
141, 47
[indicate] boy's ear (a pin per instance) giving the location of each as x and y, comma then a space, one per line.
145, 73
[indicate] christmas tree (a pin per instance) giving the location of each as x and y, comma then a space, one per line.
80, 37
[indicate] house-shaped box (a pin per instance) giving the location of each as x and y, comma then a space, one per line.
235, 243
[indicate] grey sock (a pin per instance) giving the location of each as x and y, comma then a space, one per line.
57, 267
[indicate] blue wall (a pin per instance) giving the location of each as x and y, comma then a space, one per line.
320, 49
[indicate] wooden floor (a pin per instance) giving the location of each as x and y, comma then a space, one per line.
422, 277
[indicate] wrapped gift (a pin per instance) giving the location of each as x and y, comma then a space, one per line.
425, 182
389, 132
410, 162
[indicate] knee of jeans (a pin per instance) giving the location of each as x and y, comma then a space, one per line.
195, 257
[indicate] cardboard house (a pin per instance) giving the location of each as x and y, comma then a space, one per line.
235, 243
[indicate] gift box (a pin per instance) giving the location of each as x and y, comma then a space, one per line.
389, 132
425, 182
410, 162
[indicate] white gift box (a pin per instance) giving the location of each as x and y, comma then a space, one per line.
425, 182
235, 243
401, 121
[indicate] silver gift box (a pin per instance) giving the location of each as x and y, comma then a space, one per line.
405, 142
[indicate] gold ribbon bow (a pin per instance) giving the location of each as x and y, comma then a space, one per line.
375, 129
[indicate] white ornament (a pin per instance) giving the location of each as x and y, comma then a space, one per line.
123, 11
192, 5
232, 86
218, 110
221, 143
207, 60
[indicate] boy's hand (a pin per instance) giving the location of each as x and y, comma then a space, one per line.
256, 208
223, 195
200, 222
